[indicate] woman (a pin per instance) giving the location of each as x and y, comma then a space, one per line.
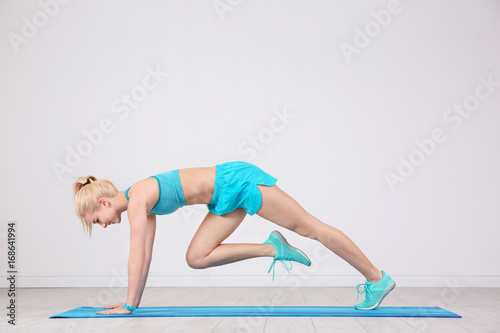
231, 191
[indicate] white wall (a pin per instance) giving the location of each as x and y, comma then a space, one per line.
230, 71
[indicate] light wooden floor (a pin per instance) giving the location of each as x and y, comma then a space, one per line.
479, 307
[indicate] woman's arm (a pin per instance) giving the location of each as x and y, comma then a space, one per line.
137, 215
150, 238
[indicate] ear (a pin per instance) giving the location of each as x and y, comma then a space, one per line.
103, 202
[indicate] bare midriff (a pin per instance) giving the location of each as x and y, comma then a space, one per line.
198, 184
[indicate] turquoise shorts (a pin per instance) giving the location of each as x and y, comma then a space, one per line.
236, 187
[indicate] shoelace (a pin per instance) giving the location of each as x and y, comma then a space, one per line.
283, 263
367, 289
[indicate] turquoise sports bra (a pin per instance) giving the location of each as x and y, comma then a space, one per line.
171, 195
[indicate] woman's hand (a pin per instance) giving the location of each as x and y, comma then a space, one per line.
116, 309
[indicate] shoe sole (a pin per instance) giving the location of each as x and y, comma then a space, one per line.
385, 293
283, 240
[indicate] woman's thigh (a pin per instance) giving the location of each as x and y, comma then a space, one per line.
214, 229
280, 208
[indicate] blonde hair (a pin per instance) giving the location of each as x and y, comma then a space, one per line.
87, 192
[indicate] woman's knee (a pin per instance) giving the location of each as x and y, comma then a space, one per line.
195, 261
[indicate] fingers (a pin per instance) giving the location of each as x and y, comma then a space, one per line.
113, 306
106, 312
116, 309
112, 312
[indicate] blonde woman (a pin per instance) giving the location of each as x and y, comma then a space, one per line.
231, 191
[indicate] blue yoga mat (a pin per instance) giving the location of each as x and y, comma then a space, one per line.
265, 311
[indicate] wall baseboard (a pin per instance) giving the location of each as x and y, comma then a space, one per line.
291, 280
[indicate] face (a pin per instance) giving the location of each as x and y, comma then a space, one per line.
104, 215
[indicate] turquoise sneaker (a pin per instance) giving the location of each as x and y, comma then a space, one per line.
285, 252
375, 292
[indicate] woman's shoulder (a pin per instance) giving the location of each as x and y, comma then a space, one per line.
145, 190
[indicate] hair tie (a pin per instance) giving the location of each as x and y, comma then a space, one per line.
88, 182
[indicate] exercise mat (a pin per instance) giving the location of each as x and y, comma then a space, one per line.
264, 311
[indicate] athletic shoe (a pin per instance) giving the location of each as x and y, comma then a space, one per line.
285, 252
375, 292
